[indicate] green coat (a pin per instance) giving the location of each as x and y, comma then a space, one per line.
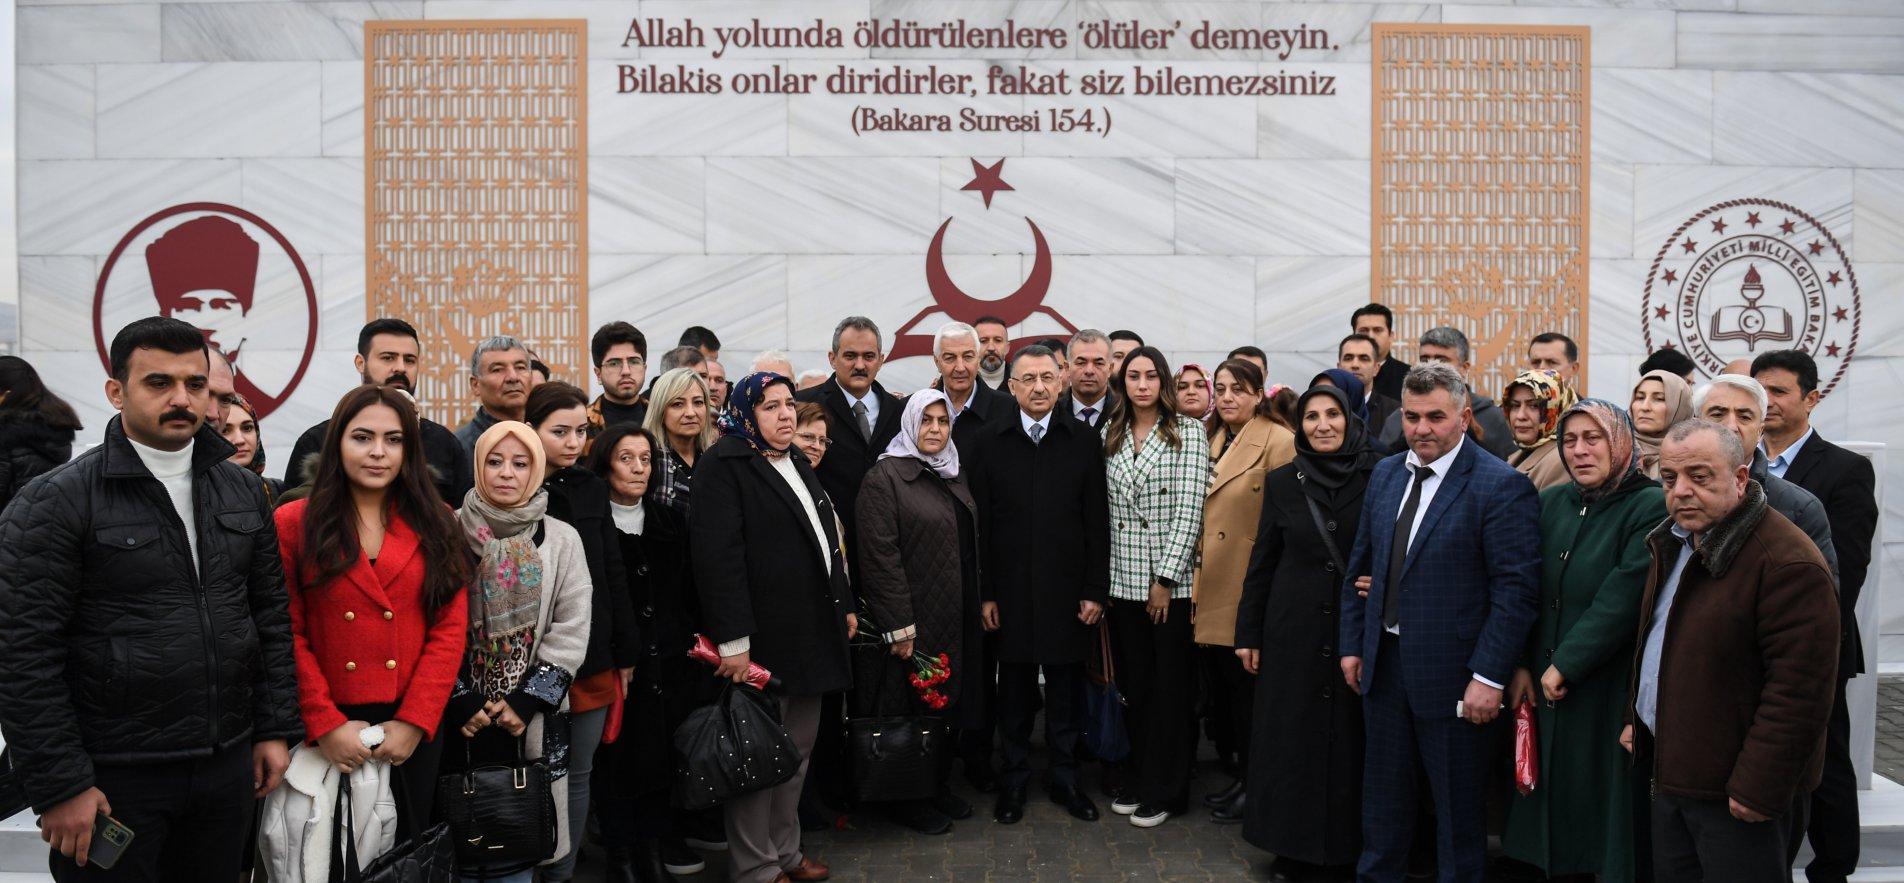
1594, 562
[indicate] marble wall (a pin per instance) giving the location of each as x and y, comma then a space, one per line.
1203, 222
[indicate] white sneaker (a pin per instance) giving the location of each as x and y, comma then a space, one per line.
1124, 806
1148, 816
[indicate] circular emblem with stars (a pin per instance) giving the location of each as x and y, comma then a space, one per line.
1748, 276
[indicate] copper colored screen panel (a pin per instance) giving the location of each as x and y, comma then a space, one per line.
1480, 177
476, 192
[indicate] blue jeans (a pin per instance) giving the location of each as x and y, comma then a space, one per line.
585, 735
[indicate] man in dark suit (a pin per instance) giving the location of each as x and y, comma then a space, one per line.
1451, 564
1088, 368
1377, 322
994, 351
861, 417
1356, 354
1044, 518
1847, 486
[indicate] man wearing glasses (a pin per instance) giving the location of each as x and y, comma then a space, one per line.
620, 353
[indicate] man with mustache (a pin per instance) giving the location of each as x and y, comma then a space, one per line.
146, 668
387, 354
861, 418
1089, 374
994, 347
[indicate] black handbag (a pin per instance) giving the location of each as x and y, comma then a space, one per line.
501, 816
735, 746
1104, 734
894, 756
429, 857
13, 800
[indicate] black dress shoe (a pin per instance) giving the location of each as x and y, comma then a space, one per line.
953, 806
1223, 797
921, 816
1230, 813
645, 864
1011, 806
1075, 802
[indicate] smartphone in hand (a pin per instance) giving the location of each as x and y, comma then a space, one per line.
110, 840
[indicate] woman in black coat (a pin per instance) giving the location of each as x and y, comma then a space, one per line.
918, 575
36, 427
636, 772
1305, 768
773, 591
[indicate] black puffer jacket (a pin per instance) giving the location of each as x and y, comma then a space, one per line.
28, 446
112, 650
579, 498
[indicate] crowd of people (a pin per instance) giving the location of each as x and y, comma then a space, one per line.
1352, 585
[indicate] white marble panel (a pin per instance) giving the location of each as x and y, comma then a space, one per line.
822, 123
1621, 37
83, 207
328, 378
55, 118
743, 298
56, 296
1334, 126
1295, 368
1802, 119
1731, 41
1610, 202
1303, 303
81, 34
1147, 125
737, 15
1720, 5
1349, 26
343, 108
1892, 8
607, 19
1175, 302
821, 206
1878, 213
1613, 307
1083, 206
210, 109
1879, 419
889, 289
318, 204
1178, 19
340, 301
641, 124
642, 205
1652, 116
273, 31
1273, 207
1881, 320
1023, 14
1667, 196
1611, 376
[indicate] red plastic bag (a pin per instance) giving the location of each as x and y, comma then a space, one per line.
611, 729
1526, 749
705, 651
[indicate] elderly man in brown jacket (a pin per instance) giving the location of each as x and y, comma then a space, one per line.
1738, 645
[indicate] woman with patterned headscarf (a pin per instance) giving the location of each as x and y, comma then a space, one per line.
1594, 565
772, 586
1533, 402
529, 608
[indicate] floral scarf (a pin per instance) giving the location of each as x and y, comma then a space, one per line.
738, 417
505, 601
1618, 426
1554, 398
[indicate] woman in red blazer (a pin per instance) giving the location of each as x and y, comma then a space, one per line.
375, 569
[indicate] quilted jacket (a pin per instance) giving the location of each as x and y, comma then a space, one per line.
29, 446
112, 650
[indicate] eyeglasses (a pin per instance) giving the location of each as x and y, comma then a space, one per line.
1035, 379
618, 364
808, 438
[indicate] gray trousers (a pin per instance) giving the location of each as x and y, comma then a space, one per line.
763, 828
585, 735
1696, 840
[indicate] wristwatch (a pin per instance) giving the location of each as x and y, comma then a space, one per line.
1167, 582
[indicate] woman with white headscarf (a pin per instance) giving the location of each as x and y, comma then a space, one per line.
918, 574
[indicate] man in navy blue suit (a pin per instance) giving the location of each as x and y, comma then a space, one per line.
1449, 553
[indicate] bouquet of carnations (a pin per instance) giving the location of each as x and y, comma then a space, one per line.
928, 672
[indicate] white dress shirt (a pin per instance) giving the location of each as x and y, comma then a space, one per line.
1097, 409
869, 400
1437, 472
1044, 422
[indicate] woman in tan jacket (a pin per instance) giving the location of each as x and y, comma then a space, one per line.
1534, 401
1246, 443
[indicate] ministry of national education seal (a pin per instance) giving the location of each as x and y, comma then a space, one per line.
1748, 276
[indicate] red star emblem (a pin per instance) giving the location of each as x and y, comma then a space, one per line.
1690, 246
1671, 276
1840, 314
1668, 345
1816, 247
1660, 312
1787, 227
1831, 349
986, 180
1718, 225
1834, 278
1752, 219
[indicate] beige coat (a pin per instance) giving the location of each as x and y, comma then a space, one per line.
1542, 466
1230, 513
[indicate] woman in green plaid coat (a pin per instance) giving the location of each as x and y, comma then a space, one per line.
1157, 464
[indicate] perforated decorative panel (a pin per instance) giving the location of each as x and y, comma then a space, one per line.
1480, 180
476, 195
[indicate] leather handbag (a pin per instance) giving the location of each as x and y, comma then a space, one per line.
429, 857
1104, 734
735, 746
501, 816
894, 756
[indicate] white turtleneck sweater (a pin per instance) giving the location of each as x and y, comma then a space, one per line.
174, 470
629, 519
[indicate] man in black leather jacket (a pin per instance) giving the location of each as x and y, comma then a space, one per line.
146, 666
